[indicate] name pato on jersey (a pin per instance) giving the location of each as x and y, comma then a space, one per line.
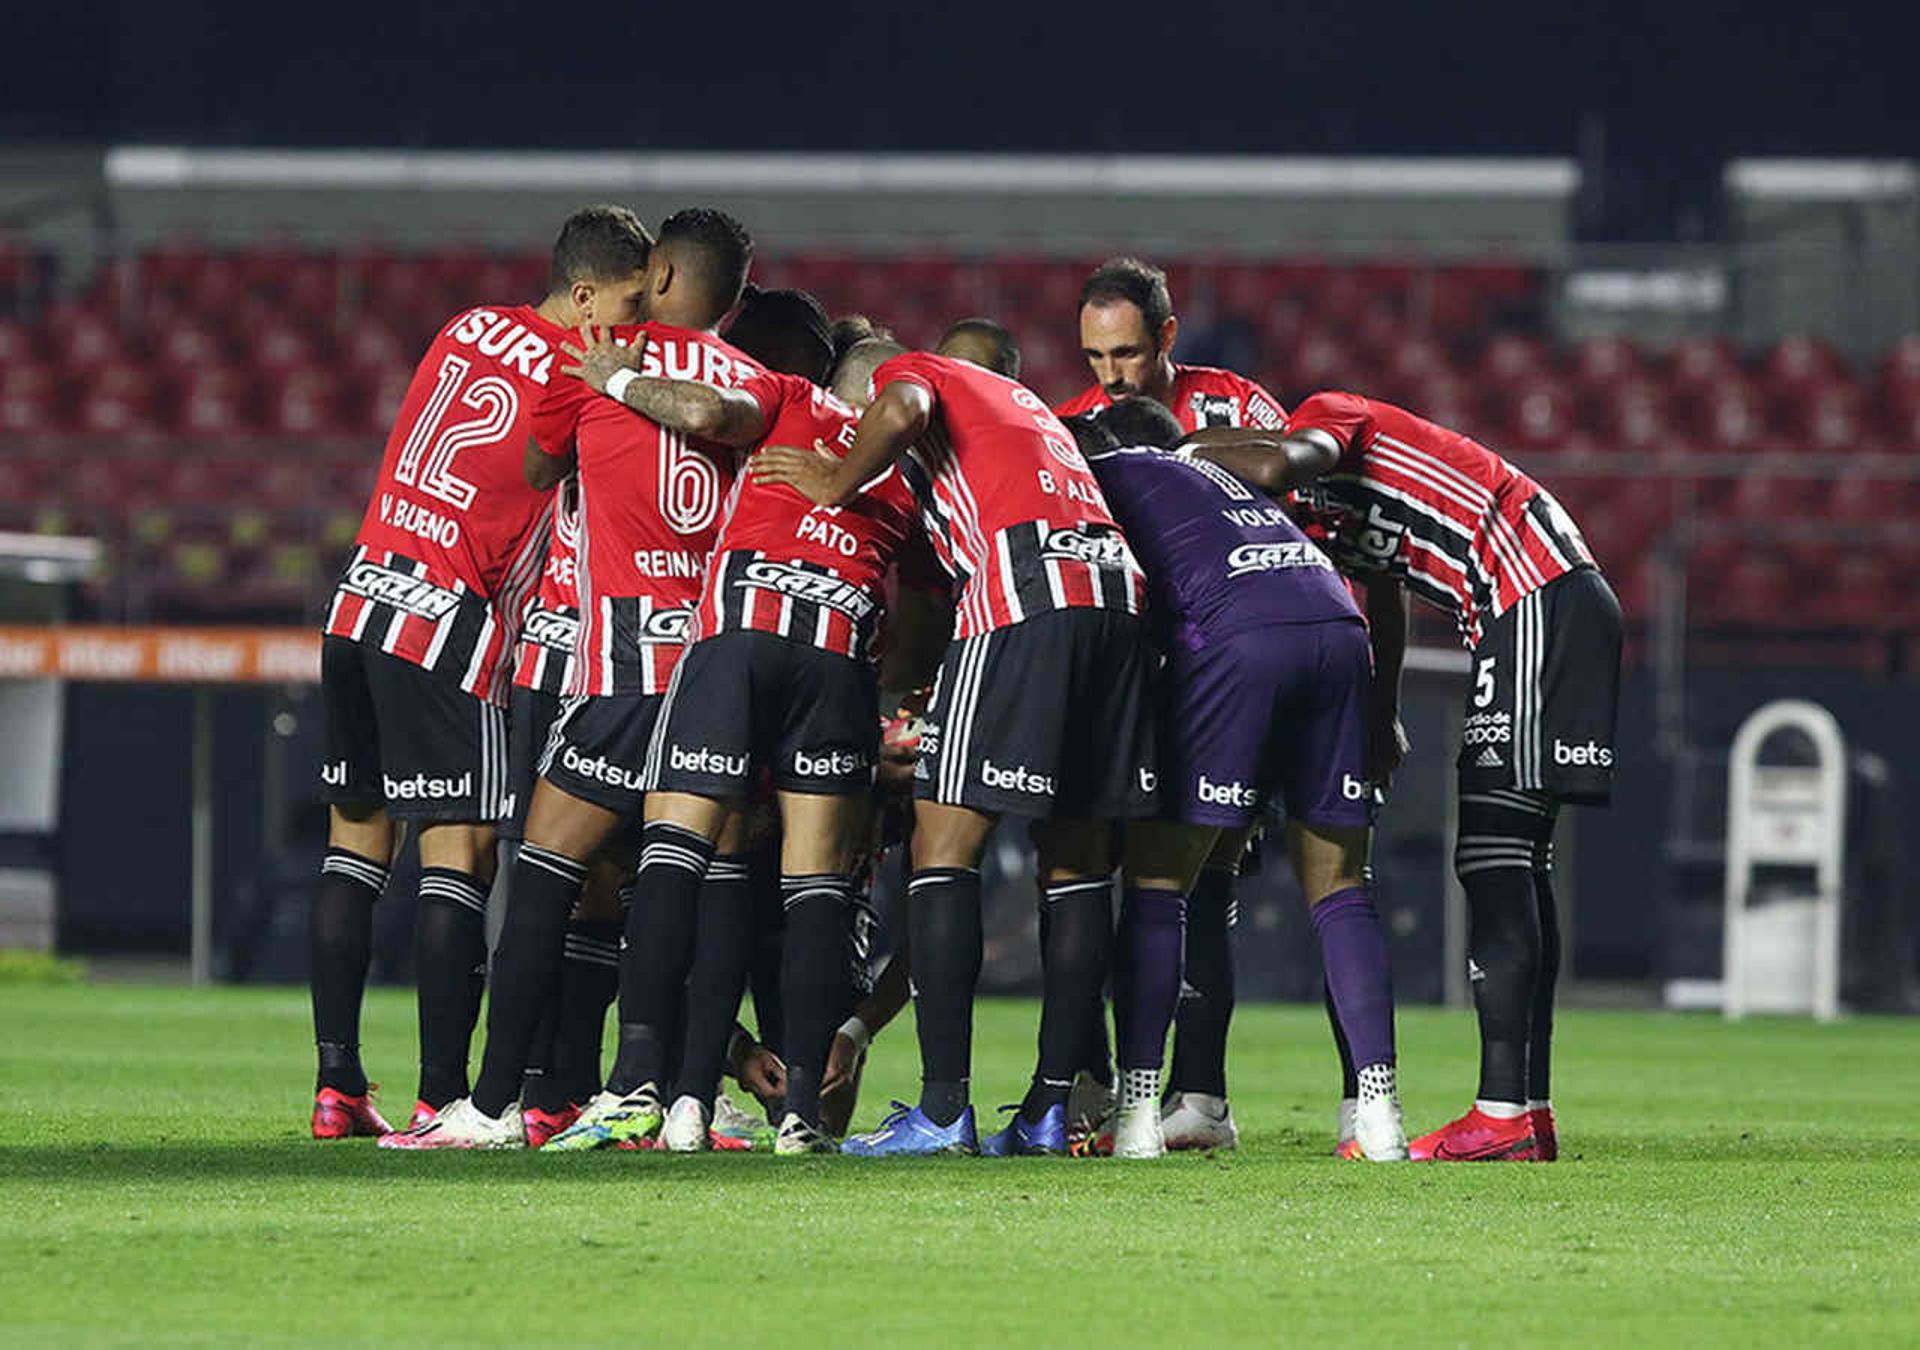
450, 548
810, 573
1012, 510
544, 659
650, 503
1203, 396
1466, 530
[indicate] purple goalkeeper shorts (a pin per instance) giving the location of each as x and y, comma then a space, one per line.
1278, 710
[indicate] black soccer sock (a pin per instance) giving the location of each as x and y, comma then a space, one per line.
722, 950
539, 1087
816, 979
1077, 956
450, 961
340, 946
541, 892
1349, 1072
1540, 1032
1494, 861
1206, 1012
945, 939
661, 924
589, 978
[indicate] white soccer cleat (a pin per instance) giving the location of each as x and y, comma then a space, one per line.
730, 1119
796, 1138
1089, 1106
1137, 1131
685, 1130
1344, 1126
1378, 1132
460, 1124
1197, 1120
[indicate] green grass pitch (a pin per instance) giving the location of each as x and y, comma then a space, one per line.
1742, 1184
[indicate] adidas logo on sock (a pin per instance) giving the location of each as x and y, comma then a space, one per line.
1489, 759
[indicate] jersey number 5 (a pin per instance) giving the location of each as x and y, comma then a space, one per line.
426, 460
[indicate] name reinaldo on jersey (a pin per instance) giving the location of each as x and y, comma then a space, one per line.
815, 587
414, 595
1274, 557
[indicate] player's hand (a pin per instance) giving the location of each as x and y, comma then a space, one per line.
764, 1074
843, 1062
1387, 748
811, 473
598, 356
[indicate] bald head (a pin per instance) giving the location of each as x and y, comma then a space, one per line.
853, 376
984, 343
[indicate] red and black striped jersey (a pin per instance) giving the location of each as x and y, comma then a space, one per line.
811, 573
650, 502
449, 550
1463, 528
1011, 508
1202, 396
544, 658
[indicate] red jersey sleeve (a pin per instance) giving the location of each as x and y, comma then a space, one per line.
1262, 409
908, 367
772, 391
1345, 417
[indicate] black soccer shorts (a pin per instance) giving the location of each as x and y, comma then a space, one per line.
1546, 687
743, 702
1050, 717
408, 740
597, 746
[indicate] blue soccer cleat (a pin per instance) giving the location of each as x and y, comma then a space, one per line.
907, 1133
1046, 1138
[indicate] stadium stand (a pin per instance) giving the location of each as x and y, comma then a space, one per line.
134, 407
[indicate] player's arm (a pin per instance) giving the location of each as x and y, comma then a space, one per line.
1387, 629
1270, 460
895, 420
890, 994
691, 407
543, 471
755, 1066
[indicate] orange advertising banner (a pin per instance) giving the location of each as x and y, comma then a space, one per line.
161, 655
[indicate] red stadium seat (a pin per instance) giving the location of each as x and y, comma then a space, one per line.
368, 345
214, 403
1511, 356
1453, 307
1727, 415
1694, 363
1631, 415
1900, 417
18, 343
1824, 416
305, 403
1535, 412
1796, 362
1902, 363
117, 400
1605, 363
30, 398
1320, 362
1862, 497
81, 339
280, 345
188, 343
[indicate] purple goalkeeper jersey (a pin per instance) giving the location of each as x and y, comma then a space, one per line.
1220, 555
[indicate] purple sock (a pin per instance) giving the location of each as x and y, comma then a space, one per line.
1359, 974
1146, 983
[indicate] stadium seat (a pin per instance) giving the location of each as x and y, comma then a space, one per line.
1606, 363
1630, 415
1901, 366
1823, 415
1510, 356
30, 398
187, 344
304, 403
1795, 362
1533, 413
1695, 363
214, 403
18, 343
81, 339
1724, 415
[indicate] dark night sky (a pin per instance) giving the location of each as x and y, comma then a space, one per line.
1677, 87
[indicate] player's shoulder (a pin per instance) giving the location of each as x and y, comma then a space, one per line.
1090, 399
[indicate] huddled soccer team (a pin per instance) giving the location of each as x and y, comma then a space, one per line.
661, 602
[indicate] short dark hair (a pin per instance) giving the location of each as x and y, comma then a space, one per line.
1139, 420
1003, 351
714, 246
598, 243
784, 330
1136, 282
850, 330
1088, 433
